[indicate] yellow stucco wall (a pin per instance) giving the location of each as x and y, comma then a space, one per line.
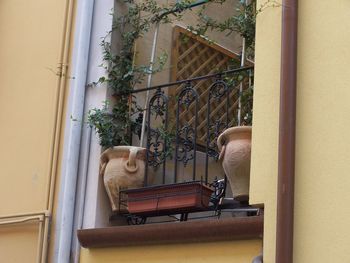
263, 178
323, 125
19, 243
30, 52
322, 228
233, 252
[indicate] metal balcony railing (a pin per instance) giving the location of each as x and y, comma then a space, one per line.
185, 118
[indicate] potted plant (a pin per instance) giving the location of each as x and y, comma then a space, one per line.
122, 165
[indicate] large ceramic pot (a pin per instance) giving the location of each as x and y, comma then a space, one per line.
235, 148
122, 167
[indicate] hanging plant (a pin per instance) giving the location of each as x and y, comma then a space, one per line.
114, 123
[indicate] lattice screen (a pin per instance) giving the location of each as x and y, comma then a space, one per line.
193, 56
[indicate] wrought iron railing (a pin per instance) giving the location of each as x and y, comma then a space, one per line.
182, 125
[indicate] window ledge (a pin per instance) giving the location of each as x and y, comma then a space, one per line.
239, 228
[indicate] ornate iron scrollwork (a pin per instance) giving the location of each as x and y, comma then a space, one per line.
158, 105
217, 92
185, 144
187, 96
213, 134
218, 89
186, 136
156, 145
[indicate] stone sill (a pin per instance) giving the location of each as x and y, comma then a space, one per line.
239, 228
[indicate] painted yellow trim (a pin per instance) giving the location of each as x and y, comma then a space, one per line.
55, 143
241, 251
23, 220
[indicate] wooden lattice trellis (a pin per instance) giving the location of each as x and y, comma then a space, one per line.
194, 56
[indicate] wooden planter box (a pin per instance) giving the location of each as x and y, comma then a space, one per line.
169, 199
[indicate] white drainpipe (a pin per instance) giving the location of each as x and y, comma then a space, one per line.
80, 201
149, 83
243, 58
73, 130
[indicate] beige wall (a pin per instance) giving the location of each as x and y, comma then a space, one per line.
233, 252
322, 228
30, 52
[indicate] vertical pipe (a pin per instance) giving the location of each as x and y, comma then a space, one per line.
166, 142
46, 241
239, 117
208, 137
40, 239
287, 122
72, 133
82, 194
177, 142
250, 73
241, 85
148, 139
149, 82
195, 138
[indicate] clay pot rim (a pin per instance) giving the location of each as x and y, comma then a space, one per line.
232, 130
238, 129
124, 150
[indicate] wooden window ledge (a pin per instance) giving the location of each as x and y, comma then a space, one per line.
239, 228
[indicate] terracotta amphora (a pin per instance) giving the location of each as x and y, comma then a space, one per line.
122, 167
235, 148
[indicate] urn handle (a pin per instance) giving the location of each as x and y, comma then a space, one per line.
131, 165
222, 152
221, 144
103, 161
